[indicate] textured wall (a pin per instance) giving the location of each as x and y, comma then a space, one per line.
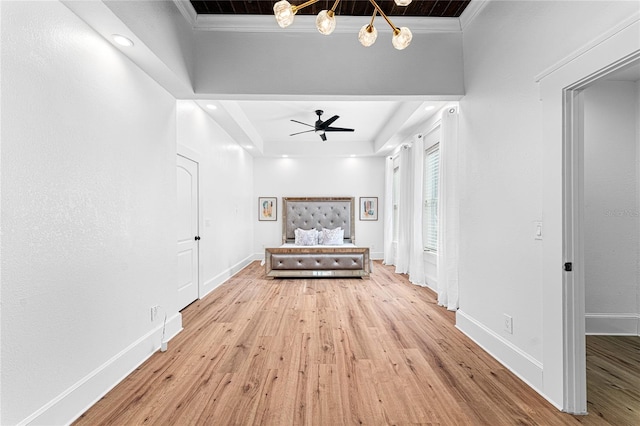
612, 220
511, 176
226, 194
309, 177
88, 201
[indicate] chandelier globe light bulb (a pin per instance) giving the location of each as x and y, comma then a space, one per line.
284, 13
326, 22
367, 35
401, 38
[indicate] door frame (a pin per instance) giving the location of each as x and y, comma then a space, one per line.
574, 352
194, 156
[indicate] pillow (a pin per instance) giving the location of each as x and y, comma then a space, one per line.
321, 235
306, 237
333, 237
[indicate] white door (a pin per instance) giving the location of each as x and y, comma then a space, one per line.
187, 178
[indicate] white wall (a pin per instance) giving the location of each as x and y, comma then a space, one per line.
309, 177
161, 27
503, 173
284, 63
226, 195
612, 220
88, 211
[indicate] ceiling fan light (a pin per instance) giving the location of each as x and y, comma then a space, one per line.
401, 38
284, 13
402, 2
326, 22
367, 35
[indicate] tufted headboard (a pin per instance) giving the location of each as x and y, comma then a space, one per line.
321, 212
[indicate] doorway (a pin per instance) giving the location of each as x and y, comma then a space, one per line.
590, 197
188, 231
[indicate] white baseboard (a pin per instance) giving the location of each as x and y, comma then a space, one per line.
71, 403
74, 401
213, 283
613, 324
432, 282
513, 358
376, 255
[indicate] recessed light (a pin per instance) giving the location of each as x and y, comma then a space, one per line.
352, 155
429, 108
285, 156
122, 40
212, 107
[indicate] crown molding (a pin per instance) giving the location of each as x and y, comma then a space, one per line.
306, 23
186, 9
470, 12
630, 20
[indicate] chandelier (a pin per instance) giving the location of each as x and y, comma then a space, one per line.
326, 22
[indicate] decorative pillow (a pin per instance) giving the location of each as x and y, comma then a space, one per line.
333, 237
321, 235
306, 237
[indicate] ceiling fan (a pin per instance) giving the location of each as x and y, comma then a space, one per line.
322, 126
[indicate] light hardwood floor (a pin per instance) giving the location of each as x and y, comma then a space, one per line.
322, 352
613, 379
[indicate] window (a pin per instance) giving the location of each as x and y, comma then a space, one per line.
396, 217
430, 211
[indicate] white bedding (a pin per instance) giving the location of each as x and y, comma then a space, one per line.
291, 245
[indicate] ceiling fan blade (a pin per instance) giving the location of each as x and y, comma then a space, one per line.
337, 129
300, 122
306, 131
321, 126
329, 121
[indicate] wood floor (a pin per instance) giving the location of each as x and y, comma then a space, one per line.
324, 352
613, 379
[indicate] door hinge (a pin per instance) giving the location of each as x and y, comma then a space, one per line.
568, 266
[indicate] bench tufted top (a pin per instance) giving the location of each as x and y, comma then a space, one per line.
319, 213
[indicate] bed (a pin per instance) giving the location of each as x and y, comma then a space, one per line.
319, 260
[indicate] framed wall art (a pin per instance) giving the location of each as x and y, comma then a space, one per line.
368, 208
267, 208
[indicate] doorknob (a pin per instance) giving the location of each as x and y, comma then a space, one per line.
197, 238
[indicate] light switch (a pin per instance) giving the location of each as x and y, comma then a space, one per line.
537, 230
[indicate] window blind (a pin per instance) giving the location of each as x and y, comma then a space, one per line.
430, 212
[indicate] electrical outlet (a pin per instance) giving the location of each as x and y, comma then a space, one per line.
154, 312
508, 324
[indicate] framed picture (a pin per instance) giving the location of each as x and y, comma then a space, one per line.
267, 208
368, 208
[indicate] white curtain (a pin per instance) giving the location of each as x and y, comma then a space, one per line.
448, 212
416, 258
388, 212
405, 210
